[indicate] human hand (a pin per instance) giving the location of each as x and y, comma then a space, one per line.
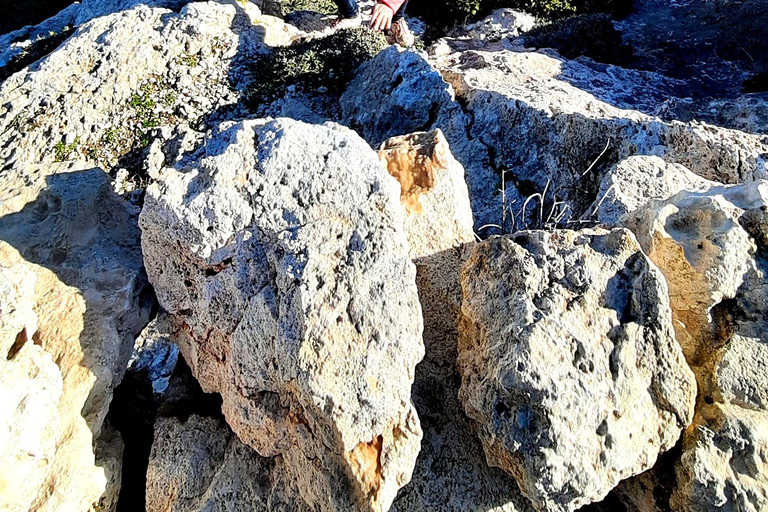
381, 17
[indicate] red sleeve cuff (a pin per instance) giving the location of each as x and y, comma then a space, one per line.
392, 4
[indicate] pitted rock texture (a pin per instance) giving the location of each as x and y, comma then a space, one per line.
282, 257
200, 464
63, 226
550, 120
140, 69
724, 465
636, 181
711, 247
569, 363
535, 122
706, 244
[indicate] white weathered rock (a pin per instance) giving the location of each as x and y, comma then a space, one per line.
30, 388
500, 24
569, 362
636, 181
282, 256
199, 464
137, 68
155, 353
91, 299
539, 119
709, 260
724, 465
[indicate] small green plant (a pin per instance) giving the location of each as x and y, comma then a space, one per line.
62, 150
144, 106
170, 99
109, 135
188, 60
321, 6
328, 62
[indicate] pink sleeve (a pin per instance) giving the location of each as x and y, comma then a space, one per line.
392, 4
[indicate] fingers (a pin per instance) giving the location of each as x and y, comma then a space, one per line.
381, 18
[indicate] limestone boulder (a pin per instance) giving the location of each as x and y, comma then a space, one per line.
397, 93
433, 192
282, 256
77, 244
141, 67
534, 123
451, 474
711, 247
569, 362
724, 465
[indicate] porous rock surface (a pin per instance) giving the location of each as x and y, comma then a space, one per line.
711, 247
200, 464
544, 122
71, 257
636, 181
139, 68
282, 257
569, 363
451, 472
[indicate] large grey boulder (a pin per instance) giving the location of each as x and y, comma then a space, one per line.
281, 255
569, 362
78, 244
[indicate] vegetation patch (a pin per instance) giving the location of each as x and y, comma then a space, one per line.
591, 35
62, 150
34, 52
321, 6
319, 65
446, 15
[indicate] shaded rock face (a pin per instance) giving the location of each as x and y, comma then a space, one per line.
569, 363
70, 247
199, 464
286, 269
711, 248
451, 473
398, 93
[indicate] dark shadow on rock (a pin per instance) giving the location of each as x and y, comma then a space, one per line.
133, 412
451, 474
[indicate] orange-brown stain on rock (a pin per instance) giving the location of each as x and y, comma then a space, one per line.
412, 160
365, 463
